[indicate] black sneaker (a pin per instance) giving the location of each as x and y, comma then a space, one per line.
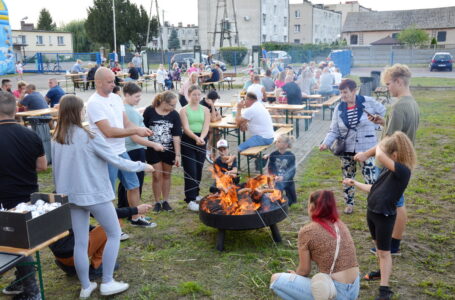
385, 293
14, 288
157, 208
165, 206
141, 222
70, 271
27, 296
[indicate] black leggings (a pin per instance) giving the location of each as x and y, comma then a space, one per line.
193, 157
381, 228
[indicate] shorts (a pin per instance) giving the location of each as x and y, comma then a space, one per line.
128, 179
381, 228
167, 157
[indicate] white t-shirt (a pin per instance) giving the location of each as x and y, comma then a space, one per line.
107, 108
337, 76
256, 89
259, 120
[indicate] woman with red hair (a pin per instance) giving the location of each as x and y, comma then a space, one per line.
318, 241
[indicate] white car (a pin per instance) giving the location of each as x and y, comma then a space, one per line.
279, 55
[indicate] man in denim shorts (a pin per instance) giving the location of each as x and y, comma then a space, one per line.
107, 117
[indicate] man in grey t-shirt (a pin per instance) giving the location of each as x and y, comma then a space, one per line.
267, 81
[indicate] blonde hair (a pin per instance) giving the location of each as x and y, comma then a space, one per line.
400, 143
287, 139
166, 96
397, 71
21, 84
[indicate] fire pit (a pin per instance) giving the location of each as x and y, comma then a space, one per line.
254, 205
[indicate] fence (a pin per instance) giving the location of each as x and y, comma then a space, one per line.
388, 55
57, 62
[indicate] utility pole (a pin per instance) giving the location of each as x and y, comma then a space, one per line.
115, 33
150, 20
160, 31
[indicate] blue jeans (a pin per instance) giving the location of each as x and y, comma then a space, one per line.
400, 202
295, 287
128, 179
255, 140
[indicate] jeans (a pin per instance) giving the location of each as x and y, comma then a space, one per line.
135, 155
255, 140
129, 179
295, 287
193, 157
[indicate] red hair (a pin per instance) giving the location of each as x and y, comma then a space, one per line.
324, 209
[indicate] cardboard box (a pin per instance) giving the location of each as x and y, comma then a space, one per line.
19, 230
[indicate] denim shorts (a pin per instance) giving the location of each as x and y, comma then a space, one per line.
128, 179
292, 287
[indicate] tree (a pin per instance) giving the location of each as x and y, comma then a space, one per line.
412, 36
45, 21
173, 42
131, 23
81, 43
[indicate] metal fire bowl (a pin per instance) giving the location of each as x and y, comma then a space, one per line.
243, 222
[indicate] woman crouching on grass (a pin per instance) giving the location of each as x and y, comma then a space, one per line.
317, 241
398, 157
80, 171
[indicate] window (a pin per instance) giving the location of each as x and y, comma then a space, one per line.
395, 35
169, 30
296, 41
183, 42
442, 36
274, 28
354, 39
264, 37
285, 23
285, 39
274, 9
22, 39
297, 28
297, 13
264, 16
190, 42
50, 41
61, 40
39, 40
195, 32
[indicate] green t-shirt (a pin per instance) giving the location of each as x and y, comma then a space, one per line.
402, 116
137, 120
196, 118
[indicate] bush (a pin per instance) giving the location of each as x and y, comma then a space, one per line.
233, 55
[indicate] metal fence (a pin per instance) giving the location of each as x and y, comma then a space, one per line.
57, 62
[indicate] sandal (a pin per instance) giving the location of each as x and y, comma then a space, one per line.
349, 209
373, 275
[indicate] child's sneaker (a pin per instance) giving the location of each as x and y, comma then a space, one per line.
385, 293
165, 206
193, 206
85, 293
113, 287
157, 207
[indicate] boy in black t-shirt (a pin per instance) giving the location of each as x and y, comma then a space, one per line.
225, 163
396, 153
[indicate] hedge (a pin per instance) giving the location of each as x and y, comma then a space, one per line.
233, 55
302, 52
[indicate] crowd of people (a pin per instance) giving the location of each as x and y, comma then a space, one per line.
123, 144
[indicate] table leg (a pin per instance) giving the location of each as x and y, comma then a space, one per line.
40, 274
287, 116
238, 143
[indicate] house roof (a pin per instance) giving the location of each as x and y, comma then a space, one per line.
388, 40
431, 18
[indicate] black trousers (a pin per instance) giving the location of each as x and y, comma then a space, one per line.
289, 188
193, 158
28, 271
135, 155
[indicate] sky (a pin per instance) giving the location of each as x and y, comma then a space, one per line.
64, 11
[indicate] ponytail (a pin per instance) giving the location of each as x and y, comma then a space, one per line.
166, 96
157, 100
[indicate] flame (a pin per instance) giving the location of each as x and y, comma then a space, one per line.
229, 201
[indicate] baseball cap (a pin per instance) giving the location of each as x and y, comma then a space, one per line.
222, 144
213, 95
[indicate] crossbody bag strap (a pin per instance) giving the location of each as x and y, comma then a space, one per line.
337, 249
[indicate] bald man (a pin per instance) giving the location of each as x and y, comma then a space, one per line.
106, 114
55, 92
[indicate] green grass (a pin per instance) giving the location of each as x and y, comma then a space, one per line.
421, 81
177, 260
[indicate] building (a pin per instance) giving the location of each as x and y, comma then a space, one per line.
365, 28
313, 24
258, 21
347, 7
188, 36
27, 41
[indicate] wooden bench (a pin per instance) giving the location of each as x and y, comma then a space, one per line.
205, 84
297, 119
229, 78
256, 152
328, 104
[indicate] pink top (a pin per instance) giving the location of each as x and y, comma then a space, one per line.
193, 69
17, 94
279, 83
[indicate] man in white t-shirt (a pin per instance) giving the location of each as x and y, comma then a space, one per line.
258, 89
107, 117
253, 116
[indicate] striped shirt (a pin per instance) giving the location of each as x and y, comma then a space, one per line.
352, 116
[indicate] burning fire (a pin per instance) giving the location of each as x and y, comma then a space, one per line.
258, 193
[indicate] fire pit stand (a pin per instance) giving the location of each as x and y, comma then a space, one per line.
244, 222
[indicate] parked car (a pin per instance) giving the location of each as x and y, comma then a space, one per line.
441, 61
279, 55
185, 60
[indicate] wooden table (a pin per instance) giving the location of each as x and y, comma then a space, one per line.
227, 126
73, 76
36, 251
286, 107
148, 77
221, 105
38, 112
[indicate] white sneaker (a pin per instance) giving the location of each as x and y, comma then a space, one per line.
85, 293
198, 199
113, 287
124, 236
193, 206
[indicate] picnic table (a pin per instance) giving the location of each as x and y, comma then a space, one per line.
38, 112
73, 77
36, 251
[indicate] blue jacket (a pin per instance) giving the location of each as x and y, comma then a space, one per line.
363, 136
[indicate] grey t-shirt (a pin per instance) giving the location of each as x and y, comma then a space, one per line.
403, 116
325, 82
268, 83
